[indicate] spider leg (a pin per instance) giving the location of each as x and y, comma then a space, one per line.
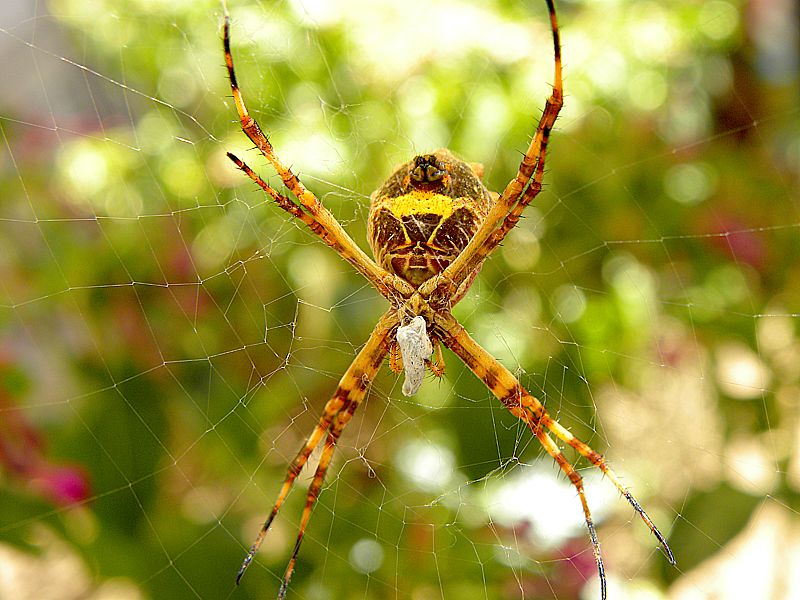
436, 364
296, 466
339, 423
518, 194
351, 390
527, 408
311, 498
324, 234
327, 227
577, 481
599, 461
395, 359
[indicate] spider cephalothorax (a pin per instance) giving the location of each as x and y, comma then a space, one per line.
431, 226
424, 215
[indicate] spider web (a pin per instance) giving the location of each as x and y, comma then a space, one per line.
168, 338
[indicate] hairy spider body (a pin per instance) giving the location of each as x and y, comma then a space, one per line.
424, 215
431, 227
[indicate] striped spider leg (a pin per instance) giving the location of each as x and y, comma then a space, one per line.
337, 413
309, 210
519, 192
502, 383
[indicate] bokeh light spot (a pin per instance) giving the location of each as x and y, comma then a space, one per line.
429, 466
690, 183
366, 556
568, 302
741, 373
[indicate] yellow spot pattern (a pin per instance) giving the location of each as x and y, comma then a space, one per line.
421, 202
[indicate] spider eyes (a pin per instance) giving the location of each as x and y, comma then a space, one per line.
427, 169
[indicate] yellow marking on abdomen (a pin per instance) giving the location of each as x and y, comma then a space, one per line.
418, 202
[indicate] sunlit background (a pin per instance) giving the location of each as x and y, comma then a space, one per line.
168, 338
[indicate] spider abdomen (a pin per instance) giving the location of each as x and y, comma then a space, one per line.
424, 215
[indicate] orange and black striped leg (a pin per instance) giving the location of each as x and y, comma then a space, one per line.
282, 201
533, 162
599, 461
253, 131
338, 425
395, 359
351, 390
436, 364
296, 211
577, 481
311, 498
519, 192
523, 405
331, 409
334, 235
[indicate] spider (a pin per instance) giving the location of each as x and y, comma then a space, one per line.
431, 226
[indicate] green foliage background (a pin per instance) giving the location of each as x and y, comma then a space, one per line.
169, 338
